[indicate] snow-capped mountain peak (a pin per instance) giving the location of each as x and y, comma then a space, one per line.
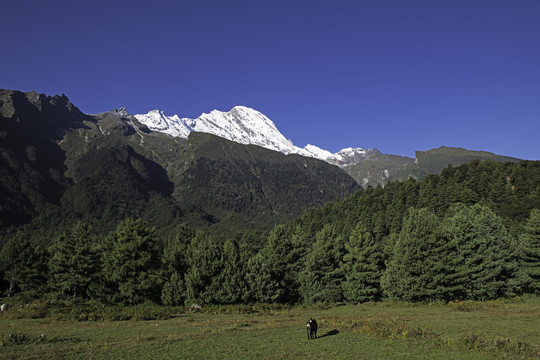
242, 125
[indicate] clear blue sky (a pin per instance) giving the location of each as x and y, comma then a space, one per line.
398, 75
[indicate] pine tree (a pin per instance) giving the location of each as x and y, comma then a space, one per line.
482, 254
498, 275
415, 264
280, 257
132, 262
176, 265
174, 253
321, 279
261, 286
174, 290
530, 251
73, 263
204, 262
25, 266
231, 279
455, 233
361, 267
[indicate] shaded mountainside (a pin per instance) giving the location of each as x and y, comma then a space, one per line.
379, 168
58, 165
226, 176
31, 163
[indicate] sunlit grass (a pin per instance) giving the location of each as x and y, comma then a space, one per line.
500, 329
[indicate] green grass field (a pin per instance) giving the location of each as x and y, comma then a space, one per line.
470, 330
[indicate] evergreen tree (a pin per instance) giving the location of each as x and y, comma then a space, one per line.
25, 266
174, 290
415, 264
174, 253
361, 267
280, 257
452, 284
322, 277
204, 262
388, 245
530, 251
482, 254
175, 263
73, 263
499, 276
231, 279
261, 286
132, 262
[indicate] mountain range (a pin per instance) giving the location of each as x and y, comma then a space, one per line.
367, 166
223, 172
58, 164
245, 126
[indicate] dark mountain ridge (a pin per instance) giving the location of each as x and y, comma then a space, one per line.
60, 165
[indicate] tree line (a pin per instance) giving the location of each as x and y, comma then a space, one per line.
472, 232
467, 254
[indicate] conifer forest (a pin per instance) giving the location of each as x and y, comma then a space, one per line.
470, 233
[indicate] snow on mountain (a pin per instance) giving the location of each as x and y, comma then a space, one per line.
317, 152
245, 126
156, 120
354, 155
242, 125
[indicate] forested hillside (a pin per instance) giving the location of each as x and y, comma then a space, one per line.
472, 232
59, 166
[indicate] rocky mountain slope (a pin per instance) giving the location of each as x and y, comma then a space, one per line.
59, 165
367, 166
379, 168
221, 170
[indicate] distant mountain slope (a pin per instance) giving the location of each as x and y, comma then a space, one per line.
59, 165
382, 168
434, 160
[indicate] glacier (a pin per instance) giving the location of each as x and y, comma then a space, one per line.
244, 125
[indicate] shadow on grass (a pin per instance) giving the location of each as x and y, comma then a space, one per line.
329, 333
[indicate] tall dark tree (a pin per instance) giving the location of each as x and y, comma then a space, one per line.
322, 277
204, 261
232, 284
73, 263
530, 251
262, 287
279, 256
361, 267
25, 266
482, 254
176, 265
132, 262
415, 263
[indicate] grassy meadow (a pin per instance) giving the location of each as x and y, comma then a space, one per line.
458, 330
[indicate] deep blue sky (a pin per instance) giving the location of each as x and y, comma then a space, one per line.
398, 75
